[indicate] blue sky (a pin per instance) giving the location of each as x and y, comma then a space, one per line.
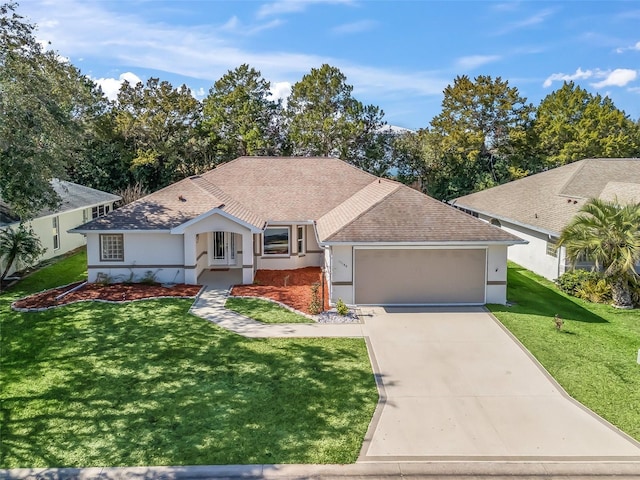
398, 55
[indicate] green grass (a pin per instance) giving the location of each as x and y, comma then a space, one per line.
264, 311
146, 383
594, 355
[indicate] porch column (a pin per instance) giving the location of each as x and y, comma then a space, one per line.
190, 261
247, 258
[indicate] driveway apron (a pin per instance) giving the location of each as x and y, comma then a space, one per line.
457, 386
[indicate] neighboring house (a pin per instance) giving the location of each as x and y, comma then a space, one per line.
380, 242
537, 208
78, 205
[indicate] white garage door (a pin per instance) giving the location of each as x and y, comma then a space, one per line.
419, 276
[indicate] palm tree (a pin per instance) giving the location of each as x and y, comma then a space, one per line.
20, 246
608, 234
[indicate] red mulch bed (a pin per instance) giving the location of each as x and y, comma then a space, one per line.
115, 292
296, 293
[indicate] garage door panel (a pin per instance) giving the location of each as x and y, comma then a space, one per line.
419, 276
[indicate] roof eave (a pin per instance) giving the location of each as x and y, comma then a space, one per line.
182, 227
459, 243
509, 220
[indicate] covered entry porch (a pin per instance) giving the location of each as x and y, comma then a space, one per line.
218, 243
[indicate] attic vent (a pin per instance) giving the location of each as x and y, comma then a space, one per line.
181, 198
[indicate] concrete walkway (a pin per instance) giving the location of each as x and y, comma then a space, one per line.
457, 386
210, 306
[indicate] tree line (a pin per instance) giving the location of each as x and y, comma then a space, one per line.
56, 122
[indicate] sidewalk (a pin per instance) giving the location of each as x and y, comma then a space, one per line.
210, 306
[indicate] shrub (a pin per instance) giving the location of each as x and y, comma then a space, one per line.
315, 307
149, 278
341, 308
572, 281
595, 291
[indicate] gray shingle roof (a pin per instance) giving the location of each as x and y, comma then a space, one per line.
547, 201
406, 215
348, 204
73, 197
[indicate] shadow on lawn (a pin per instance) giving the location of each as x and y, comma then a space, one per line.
537, 296
108, 385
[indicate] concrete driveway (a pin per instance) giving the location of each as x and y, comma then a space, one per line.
457, 386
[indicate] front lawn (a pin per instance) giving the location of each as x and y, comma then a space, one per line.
146, 383
264, 311
594, 356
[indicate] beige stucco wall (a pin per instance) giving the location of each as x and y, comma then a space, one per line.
43, 228
160, 253
496, 289
533, 255
340, 264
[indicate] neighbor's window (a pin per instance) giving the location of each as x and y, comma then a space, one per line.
300, 239
55, 224
552, 249
100, 211
112, 247
276, 241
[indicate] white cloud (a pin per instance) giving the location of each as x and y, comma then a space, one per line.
234, 25
91, 31
111, 86
199, 94
635, 47
563, 77
617, 78
474, 61
280, 7
354, 27
530, 21
280, 90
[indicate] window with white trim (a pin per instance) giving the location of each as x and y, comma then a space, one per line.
55, 224
552, 249
112, 247
276, 241
300, 239
100, 211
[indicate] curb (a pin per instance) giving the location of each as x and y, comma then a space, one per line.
566, 469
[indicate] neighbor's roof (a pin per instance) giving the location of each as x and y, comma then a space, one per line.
346, 203
73, 197
547, 201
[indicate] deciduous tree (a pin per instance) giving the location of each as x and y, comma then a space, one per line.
572, 124
161, 125
481, 124
45, 105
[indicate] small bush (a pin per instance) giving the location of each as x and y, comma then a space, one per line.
149, 278
341, 308
572, 281
315, 307
595, 291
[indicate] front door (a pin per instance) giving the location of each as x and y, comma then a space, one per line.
223, 249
